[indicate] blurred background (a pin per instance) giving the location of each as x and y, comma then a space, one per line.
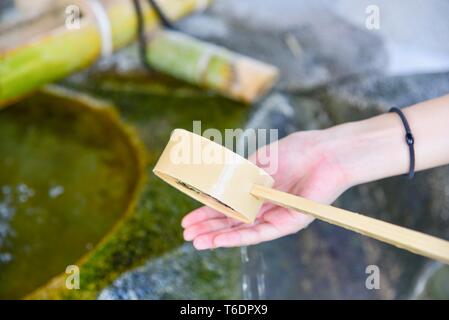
76, 155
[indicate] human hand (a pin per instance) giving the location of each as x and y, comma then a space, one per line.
308, 166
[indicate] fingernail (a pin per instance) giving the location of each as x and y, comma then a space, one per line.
187, 235
200, 244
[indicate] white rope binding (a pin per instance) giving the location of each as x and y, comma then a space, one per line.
104, 26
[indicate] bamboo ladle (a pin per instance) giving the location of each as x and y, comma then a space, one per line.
225, 181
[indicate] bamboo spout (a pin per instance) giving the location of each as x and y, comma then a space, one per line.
52, 55
210, 66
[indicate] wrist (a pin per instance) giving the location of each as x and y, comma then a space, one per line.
370, 149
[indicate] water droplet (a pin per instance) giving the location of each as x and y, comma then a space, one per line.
55, 191
24, 192
5, 257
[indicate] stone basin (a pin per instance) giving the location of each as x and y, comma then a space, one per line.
70, 172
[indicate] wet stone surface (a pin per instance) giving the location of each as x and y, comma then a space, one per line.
184, 273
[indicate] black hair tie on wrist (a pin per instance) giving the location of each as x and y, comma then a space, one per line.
408, 139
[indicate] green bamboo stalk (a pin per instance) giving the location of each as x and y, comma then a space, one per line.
210, 66
60, 52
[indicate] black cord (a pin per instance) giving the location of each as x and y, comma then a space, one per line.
160, 14
409, 139
141, 29
141, 35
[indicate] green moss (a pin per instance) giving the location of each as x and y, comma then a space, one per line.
154, 228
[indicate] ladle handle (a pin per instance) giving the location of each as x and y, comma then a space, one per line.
414, 241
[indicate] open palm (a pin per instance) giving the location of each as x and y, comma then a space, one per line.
306, 167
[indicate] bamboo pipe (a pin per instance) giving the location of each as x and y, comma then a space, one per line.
210, 66
54, 54
234, 186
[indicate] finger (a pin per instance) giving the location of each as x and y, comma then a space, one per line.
205, 213
236, 236
206, 226
200, 214
246, 236
206, 240
218, 224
